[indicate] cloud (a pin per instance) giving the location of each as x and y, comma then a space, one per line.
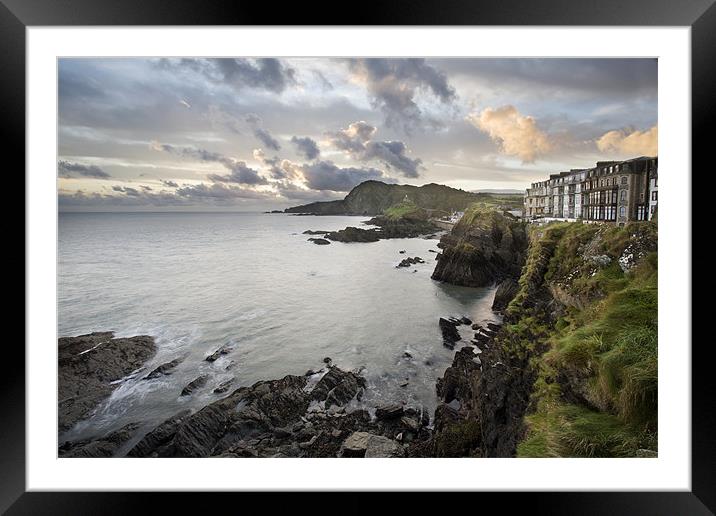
217, 192
169, 183
266, 73
392, 85
517, 134
265, 137
67, 169
184, 103
306, 147
356, 142
631, 142
239, 172
325, 175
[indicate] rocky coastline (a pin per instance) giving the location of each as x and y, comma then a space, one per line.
317, 414
489, 397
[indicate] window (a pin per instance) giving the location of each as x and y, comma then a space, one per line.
624, 180
653, 195
623, 195
622, 211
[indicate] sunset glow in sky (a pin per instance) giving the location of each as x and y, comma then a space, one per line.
262, 134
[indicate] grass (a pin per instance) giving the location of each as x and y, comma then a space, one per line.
603, 351
401, 209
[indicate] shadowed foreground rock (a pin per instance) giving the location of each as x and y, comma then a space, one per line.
277, 418
87, 367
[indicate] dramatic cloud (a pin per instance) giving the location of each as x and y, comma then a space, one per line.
306, 147
356, 142
239, 172
392, 85
67, 169
633, 143
266, 73
265, 137
325, 175
517, 135
217, 192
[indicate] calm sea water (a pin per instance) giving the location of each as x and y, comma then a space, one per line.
198, 281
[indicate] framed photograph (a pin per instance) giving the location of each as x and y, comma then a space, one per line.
429, 239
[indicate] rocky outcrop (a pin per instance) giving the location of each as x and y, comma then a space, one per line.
448, 329
374, 197
165, 369
483, 248
506, 291
105, 446
290, 417
407, 262
319, 241
91, 366
387, 228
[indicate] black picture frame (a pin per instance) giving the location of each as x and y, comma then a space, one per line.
700, 15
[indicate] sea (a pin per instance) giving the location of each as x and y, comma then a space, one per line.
253, 281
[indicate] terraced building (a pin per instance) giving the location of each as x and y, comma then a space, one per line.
612, 192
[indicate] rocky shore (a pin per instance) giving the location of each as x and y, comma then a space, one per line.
90, 367
313, 415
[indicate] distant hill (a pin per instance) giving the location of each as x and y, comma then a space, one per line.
500, 191
374, 197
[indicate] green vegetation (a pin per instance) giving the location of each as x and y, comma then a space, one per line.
595, 393
405, 210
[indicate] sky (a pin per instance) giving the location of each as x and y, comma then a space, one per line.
194, 134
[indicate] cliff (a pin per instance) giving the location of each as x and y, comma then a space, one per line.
573, 370
484, 247
374, 197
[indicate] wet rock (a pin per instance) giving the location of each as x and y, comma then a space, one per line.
390, 411
401, 252
505, 293
465, 320
449, 331
319, 241
165, 369
91, 366
223, 350
195, 384
407, 355
407, 262
312, 232
494, 326
105, 446
338, 387
224, 386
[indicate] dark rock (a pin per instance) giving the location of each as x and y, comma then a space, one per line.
164, 369
407, 262
455, 383
353, 234
505, 293
449, 331
390, 411
105, 446
327, 360
224, 386
401, 252
407, 355
195, 384
432, 251
311, 232
319, 241
476, 326
465, 320
223, 350
155, 441
494, 326
90, 367
484, 247
338, 387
